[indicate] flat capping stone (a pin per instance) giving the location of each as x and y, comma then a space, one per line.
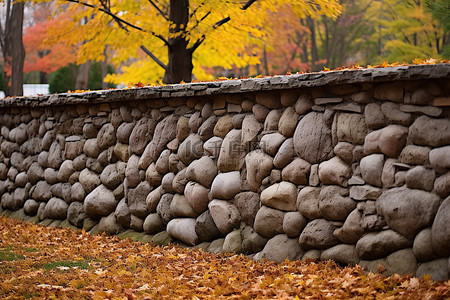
234, 86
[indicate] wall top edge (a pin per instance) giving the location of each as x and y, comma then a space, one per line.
278, 82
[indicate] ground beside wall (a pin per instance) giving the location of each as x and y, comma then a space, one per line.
352, 165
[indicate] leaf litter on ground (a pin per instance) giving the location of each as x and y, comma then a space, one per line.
67, 264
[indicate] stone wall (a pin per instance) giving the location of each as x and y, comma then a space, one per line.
352, 166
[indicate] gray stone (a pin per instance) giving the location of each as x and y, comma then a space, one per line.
431, 111
203, 171
389, 172
206, 130
122, 213
113, 175
344, 151
225, 215
271, 142
440, 231
312, 139
182, 128
421, 97
237, 121
226, 185
233, 242
109, 225
65, 171
351, 128
56, 209
79, 163
153, 198
279, 248
91, 148
389, 141
137, 199
163, 207
351, 231
142, 134
190, 149
407, 211
334, 171
440, 159
260, 112
197, 196
314, 175
179, 181
308, 202
162, 164
250, 130
223, 126
431, 132
258, 166
153, 224
293, 224
364, 192
42, 191
30, 207
124, 131
132, 171
205, 227
288, 122
152, 175
106, 137
334, 204
216, 246
303, 104
321, 101
213, 145
100, 202
297, 171
183, 229
180, 207
420, 178
252, 242
175, 164
76, 214
89, 180
342, 254
162, 238
311, 255
415, 155
318, 234
281, 196
437, 269
395, 115
269, 99
164, 132
372, 168
122, 151
248, 204
35, 173
73, 149
423, 246
379, 244
442, 185
231, 152
389, 91
401, 262
195, 121
374, 116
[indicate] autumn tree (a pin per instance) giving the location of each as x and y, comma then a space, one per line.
12, 46
440, 9
171, 39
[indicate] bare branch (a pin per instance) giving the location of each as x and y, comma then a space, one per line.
202, 39
159, 10
221, 22
248, 4
119, 20
157, 60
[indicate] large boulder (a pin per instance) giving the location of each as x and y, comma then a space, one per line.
279, 248
334, 204
407, 211
203, 171
225, 215
89, 180
184, 230
312, 139
342, 254
294, 223
390, 141
197, 196
282, 196
335, 171
318, 234
426, 131
352, 230
308, 202
106, 137
230, 151
250, 130
137, 199
269, 222
351, 128
56, 209
180, 207
205, 227
297, 171
76, 214
372, 169
379, 244
248, 204
440, 231
259, 166
153, 224
141, 135
100, 202
190, 149
285, 154
226, 185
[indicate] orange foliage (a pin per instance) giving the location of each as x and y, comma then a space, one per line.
50, 263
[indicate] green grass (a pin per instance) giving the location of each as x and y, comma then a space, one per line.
7, 255
69, 264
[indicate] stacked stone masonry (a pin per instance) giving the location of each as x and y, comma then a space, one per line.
352, 166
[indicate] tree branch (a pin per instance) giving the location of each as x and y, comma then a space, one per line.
215, 26
248, 4
119, 20
159, 10
159, 62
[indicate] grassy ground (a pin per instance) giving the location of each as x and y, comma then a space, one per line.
43, 262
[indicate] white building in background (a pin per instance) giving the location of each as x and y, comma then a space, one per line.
32, 90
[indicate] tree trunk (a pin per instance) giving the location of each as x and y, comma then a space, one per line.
14, 52
314, 53
104, 65
180, 65
83, 76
